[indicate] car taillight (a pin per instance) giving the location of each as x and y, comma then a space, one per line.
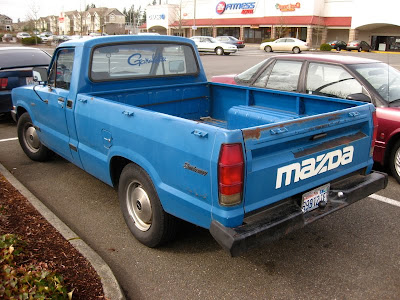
3, 83
374, 134
230, 174
240, 42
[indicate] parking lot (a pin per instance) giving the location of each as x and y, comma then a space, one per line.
352, 254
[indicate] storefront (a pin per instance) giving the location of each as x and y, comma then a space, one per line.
314, 21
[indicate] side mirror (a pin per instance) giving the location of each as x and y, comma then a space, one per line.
39, 74
176, 66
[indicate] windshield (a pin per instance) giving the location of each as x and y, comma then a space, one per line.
248, 74
384, 79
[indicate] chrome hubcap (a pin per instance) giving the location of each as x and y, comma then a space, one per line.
139, 206
397, 161
31, 139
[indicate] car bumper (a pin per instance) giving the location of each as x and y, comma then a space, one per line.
286, 217
5, 101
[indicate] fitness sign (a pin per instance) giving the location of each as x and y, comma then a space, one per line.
244, 7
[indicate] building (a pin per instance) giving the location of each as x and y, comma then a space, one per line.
5, 23
314, 21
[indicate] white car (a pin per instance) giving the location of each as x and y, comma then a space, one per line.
285, 44
23, 35
209, 44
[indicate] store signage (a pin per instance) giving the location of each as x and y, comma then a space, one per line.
287, 7
245, 7
157, 17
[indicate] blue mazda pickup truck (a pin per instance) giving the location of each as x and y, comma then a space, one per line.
249, 164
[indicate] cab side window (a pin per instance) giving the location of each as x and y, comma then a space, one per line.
61, 71
331, 80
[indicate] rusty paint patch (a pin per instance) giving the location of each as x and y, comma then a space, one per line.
256, 132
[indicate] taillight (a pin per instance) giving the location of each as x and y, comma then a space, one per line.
3, 83
230, 174
374, 134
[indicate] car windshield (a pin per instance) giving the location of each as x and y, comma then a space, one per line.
384, 79
248, 74
23, 58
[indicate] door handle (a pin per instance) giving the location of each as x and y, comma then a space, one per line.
61, 99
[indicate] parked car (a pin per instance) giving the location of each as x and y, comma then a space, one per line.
16, 65
359, 46
342, 77
338, 45
231, 40
285, 44
209, 44
23, 35
7, 37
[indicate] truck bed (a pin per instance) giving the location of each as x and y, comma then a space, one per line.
228, 107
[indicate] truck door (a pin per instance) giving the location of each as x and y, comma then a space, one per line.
51, 117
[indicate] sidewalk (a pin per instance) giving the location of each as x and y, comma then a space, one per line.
110, 285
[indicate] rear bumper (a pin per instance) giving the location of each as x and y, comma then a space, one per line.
275, 222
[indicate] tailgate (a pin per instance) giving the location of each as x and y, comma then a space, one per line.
288, 158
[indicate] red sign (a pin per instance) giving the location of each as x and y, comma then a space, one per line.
221, 7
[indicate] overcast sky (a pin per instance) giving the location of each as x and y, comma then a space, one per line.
22, 8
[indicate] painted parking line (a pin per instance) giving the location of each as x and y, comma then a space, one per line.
386, 200
7, 140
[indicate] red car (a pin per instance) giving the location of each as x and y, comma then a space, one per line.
342, 77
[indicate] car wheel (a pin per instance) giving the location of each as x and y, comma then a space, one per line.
227, 53
268, 49
142, 209
395, 161
29, 139
296, 50
337, 48
219, 51
359, 49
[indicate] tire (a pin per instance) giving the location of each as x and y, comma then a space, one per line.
142, 209
296, 50
359, 49
394, 161
219, 51
29, 140
227, 53
337, 48
267, 49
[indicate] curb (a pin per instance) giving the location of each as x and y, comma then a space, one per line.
110, 284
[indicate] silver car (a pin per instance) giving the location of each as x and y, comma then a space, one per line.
209, 44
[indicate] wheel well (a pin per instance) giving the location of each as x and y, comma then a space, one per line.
117, 164
20, 111
393, 140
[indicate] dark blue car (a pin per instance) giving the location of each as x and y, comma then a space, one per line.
16, 64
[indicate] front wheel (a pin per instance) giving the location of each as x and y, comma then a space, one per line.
359, 49
142, 209
219, 51
296, 50
29, 139
395, 161
227, 53
267, 49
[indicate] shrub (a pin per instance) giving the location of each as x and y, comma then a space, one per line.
26, 281
268, 40
31, 41
325, 47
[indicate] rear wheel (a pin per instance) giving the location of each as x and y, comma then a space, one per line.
29, 139
337, 48
267, 49
227, 53
142, 209
359, 49
219, 51
395, 161
296, 50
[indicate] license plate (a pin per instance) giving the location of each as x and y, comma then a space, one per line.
312, 198
29, 80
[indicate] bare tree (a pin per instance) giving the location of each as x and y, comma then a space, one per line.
33, 16
178, 16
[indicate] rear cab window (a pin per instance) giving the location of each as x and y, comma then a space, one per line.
132, 61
